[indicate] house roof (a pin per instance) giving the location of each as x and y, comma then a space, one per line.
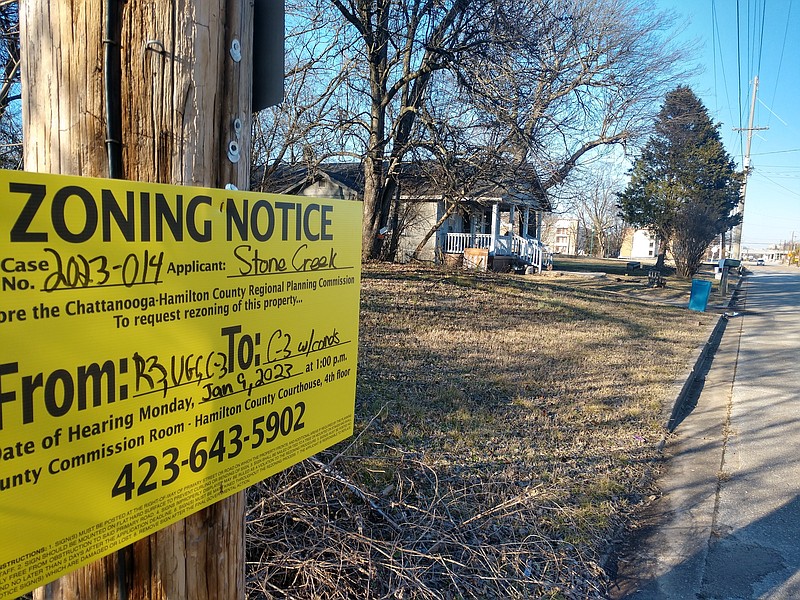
418, 183
504, 187
292, 178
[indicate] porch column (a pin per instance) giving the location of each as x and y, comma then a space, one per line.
495, 227
526, 221
512, 216
441, 233
473, 224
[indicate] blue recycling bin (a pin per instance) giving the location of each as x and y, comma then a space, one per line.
698, 299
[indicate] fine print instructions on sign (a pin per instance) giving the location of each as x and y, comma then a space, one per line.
163, 347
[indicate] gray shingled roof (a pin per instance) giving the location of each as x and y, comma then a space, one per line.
417, 182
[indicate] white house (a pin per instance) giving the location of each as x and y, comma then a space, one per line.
501, 220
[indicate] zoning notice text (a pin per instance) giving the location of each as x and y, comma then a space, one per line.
163, 348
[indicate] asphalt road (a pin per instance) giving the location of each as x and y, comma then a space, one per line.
728, 523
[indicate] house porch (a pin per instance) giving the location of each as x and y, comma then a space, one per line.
516, 247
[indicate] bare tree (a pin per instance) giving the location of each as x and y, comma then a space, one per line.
550, 84
10, 141
596, 207
451, 157
10, 122
402, 45
539, 84
566, 77
315, 120
454, 179
9, 53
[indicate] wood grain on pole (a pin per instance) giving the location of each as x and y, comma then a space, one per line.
181, 92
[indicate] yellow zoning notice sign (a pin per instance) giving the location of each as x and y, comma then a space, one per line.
163, 347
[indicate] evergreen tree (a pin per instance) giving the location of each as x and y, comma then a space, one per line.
684, 185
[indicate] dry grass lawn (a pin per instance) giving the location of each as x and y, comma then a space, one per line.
506, 432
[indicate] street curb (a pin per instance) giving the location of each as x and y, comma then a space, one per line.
684, 387
686, 382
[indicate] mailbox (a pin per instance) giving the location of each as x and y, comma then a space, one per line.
729, 263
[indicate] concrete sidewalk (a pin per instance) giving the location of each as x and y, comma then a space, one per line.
727, 525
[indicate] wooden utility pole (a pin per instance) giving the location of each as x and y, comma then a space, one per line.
155, 92
736, 235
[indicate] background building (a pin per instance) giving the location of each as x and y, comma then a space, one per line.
639, 243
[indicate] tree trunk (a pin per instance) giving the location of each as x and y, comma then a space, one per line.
374, 171
371, 225
379, 190
181, 95
450, 210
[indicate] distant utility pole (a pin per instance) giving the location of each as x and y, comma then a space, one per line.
736, 234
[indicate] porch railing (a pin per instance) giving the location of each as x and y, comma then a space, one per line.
528, 249
456, 242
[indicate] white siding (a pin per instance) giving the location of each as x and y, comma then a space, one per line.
645, 245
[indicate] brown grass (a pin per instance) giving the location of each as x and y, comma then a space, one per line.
506, 429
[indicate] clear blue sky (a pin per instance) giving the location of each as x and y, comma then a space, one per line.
764, 43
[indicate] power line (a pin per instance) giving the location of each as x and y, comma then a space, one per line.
760, 166
761, 36
714, 48
783, 49
715, 36
783, 187
780, 174
772, 113
755, 35
739, 69
776, 152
